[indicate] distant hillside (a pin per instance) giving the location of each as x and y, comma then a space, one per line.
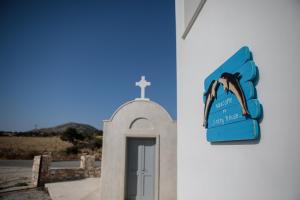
56, 130
81, 128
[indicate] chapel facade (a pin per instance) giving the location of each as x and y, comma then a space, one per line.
139, 152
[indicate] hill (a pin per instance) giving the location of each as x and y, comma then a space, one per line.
81, 128
25, 145
84, 129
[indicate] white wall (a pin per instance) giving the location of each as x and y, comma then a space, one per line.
269, 169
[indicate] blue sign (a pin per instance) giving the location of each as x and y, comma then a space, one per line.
231, 108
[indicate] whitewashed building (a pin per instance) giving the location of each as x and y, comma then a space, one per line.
208, 33
139, 152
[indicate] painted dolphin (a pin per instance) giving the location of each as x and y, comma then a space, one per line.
210, 95
231, 83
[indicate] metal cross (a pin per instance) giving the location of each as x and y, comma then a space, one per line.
143, 84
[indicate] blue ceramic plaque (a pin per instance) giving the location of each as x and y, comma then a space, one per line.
232, 110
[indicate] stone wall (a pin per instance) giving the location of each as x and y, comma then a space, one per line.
42, 173
56, 175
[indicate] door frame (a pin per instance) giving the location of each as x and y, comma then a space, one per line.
156, 173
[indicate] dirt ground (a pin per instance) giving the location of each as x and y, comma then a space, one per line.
31, 194
15, 177
19, 178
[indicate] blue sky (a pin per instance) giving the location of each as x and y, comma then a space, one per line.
78, 60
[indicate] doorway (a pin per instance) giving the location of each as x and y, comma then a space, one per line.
140, 170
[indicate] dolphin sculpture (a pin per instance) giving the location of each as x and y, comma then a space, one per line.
210, 95
231, 83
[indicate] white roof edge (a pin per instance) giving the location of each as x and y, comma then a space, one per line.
193, 19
